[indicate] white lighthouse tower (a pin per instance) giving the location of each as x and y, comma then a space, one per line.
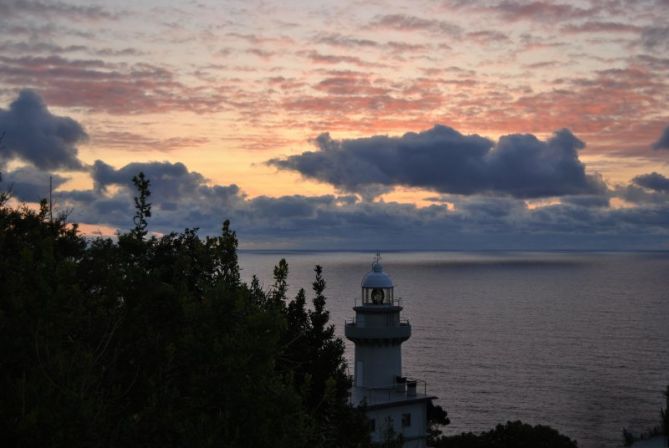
395, 404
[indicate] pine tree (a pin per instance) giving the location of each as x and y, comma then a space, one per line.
225, 248
142, 207
664, 414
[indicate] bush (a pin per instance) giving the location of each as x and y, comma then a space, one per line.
511, 435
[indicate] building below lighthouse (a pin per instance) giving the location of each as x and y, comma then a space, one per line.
394, 403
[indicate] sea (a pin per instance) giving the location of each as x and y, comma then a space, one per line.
578, 341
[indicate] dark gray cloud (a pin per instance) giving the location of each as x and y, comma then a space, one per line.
35, 135
640, 196
443, 160
29, 184
653, 181
592, 200
179, 197
663, 141
170, 182
183, 198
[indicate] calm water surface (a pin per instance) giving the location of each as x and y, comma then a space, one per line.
578, 341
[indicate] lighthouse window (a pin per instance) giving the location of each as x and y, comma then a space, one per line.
406, 420
377, 296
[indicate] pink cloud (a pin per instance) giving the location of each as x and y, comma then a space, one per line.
402, 22
540, 11
601, 27
330, 59
137, 142
101, 86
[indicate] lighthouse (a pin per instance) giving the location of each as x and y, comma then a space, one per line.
395, 404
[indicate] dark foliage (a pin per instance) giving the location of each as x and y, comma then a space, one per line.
146, 341
436, 418
511, 435
628, 438
664, 415
142, 207
389, 438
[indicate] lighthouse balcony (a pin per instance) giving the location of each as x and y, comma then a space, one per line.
403, 390
367, 302
362, 331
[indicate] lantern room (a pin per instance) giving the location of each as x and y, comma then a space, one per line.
377, 287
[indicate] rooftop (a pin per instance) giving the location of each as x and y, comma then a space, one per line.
376, 278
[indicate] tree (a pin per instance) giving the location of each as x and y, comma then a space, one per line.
142, 207
280, 287
513, 434
664, 414
390, 438
152, 342
326, 360
4, 195
436, 418
225, 248
313, 358
325, 366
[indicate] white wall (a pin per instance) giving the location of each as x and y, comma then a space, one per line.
381, 364
414, 433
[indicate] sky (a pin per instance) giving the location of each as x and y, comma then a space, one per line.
365, 125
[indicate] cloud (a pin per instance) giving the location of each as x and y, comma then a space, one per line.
642, 197
22, 47
261, 40
653, 181
663, 141
655, 38
487, 37
116, 88
402, 22
443, 160
138, 142
262, 54
171, 182
340, 40
9, 8
329, 221
30, 184
591, 200
183, 198
35, 135
180, 197
350, 85
540, 11
331, 59
601, 27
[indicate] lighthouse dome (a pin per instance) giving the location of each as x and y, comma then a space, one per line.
376, 278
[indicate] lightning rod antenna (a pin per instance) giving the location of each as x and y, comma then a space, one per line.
51, 199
